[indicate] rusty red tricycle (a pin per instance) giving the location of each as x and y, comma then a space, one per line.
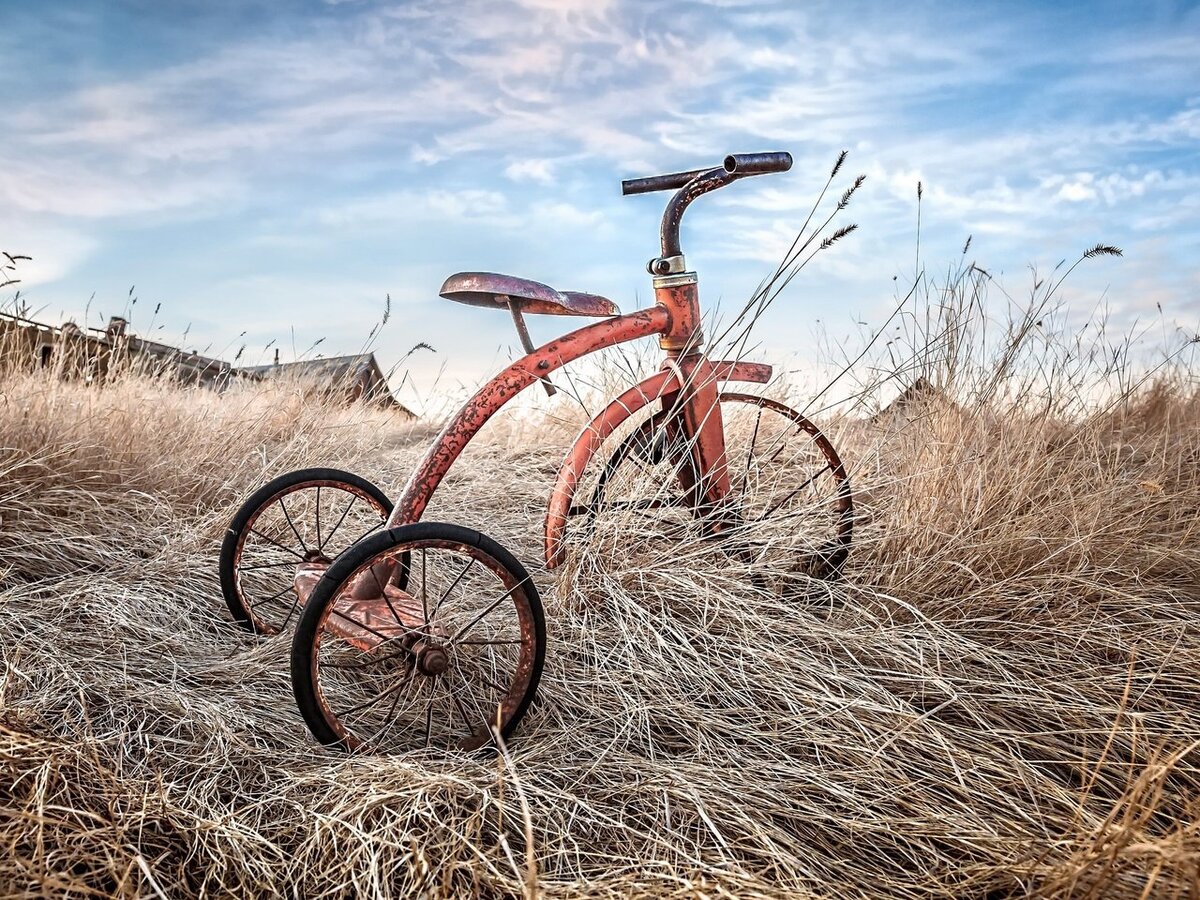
412, 634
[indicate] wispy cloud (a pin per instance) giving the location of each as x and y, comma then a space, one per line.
540, 170
414, 206
272, 143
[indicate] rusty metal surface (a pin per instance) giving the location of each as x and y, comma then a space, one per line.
680, 296
583, 304
743, 164
305, 578
366, 615
673, 214
651, 183
739, 164
704, 432
527, 342
701, 413
697, 182
491, 289
656, 387
368, 622
493, 395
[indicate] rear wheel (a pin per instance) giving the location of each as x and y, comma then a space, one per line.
377, 668
790, 509
304, 518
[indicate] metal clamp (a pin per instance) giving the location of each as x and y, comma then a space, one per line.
667, 265
678, 280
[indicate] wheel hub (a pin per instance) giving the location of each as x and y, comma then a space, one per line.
432, 659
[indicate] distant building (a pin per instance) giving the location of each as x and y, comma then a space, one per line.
92, 354
358, 376
914, 398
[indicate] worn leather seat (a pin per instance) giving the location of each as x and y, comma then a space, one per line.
491, 289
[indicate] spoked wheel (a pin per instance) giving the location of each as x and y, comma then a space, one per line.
791, 507
381, 669
286, 534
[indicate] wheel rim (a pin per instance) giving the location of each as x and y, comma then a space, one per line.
437, 667
790, 508
309, 522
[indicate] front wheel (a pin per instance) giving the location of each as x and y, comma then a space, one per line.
438, 664
791, 508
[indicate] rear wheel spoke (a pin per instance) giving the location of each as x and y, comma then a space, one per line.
258, 558
275, 565
802, 486
274, 598
292, 525
274, 543
317, 514
342, 518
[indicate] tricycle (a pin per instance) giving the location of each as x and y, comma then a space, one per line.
411, 634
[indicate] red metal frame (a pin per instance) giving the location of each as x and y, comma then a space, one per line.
700, 412
507, 384
373, 608
662, 386
676, 319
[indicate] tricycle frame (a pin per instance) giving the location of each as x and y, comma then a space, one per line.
675, 317
688, 382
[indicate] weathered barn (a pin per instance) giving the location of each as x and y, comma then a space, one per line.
357, 376
92, 354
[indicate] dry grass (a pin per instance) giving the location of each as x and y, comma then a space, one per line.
1000, 700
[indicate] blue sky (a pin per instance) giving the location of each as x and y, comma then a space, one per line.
277, 169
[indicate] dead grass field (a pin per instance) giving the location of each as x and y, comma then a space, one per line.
1001, 699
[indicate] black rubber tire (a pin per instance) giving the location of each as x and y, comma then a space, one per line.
305, 687
248, 513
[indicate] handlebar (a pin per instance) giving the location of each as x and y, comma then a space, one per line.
648, 185
743, 164
690, 185
739, 165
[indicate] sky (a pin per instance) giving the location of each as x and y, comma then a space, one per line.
271, 172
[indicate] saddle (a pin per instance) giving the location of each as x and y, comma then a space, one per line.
491, 289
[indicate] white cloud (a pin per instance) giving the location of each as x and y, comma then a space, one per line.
410, 206
1117, 188
567, 215
425, 156
539, 170
1075, 191
55, 251
60, 187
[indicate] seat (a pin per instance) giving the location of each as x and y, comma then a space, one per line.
490, 289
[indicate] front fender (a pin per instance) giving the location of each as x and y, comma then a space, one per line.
604, 424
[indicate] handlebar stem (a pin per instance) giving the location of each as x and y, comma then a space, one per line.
701, 181
706, 181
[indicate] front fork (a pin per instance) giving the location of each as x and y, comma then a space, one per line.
694, 424
694, 411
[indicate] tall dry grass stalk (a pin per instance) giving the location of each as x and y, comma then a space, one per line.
998, 700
